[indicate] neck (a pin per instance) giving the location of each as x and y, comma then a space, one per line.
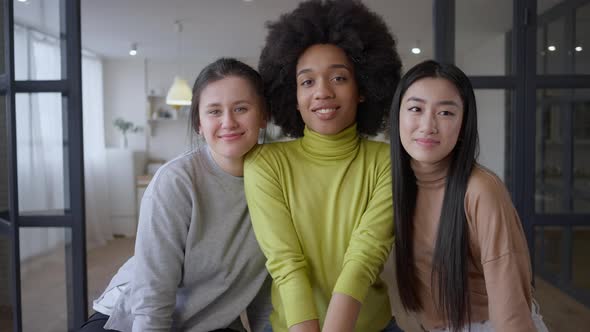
331, 147
431, 172
232, 166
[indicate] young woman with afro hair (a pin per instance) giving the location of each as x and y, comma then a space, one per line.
321, 205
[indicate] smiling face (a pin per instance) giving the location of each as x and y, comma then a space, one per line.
230, 116
430, 118
327, 92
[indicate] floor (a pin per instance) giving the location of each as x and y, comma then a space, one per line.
44, 305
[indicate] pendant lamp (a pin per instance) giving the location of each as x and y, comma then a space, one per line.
179, 94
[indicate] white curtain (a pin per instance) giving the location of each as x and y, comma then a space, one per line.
98, 222
40, 152
40, 145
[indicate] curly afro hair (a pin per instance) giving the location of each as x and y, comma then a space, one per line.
348, 24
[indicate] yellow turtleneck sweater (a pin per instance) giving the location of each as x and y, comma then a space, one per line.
322, 212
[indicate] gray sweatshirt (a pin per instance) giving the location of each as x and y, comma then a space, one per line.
197, 264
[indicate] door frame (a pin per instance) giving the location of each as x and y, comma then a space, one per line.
70, 86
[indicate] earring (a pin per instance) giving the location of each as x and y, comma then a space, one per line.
361, 99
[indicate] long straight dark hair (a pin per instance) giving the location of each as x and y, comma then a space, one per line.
451, 253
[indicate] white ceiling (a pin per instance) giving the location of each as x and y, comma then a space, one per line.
217, 28
214, 28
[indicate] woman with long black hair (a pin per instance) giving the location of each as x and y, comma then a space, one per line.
462, 260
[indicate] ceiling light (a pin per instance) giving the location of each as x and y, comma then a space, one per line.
133, 50
551, 48
416, 50
23, 0
179, 94
578, 48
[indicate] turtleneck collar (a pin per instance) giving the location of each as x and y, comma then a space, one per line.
431, 175
330, 147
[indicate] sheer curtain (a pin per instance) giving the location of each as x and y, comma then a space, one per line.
98, 221
40, 144
40, 148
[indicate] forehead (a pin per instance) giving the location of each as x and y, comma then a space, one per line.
228, 88
433, 89
321, 56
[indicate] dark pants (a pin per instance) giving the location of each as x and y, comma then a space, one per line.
96, 324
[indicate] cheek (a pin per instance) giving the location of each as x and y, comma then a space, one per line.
405, 128
207, 128
302, 96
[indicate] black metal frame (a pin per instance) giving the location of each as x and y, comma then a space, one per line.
74, 217
523, 81
566, 221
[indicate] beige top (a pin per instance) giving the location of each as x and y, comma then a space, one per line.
500, 275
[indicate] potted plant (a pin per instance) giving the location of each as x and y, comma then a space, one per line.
126, 126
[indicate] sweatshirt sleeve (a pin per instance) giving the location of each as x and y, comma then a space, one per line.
277, 237
504, 254
372, 239
159, 251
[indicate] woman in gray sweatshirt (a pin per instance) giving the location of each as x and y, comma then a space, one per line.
197, 265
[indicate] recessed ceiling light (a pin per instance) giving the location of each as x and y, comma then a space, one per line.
133, 50
23, 0
416, 50
578, 48
551, 48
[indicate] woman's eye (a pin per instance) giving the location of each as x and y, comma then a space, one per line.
339, 78
446, 113
306, 83
414, 109
214, 112
240, 109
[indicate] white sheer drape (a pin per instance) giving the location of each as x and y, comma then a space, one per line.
98, 221
40, 145
40, 149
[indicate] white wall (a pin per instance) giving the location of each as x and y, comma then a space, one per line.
124, 96
489, 57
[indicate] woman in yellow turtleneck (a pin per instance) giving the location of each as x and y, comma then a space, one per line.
321, 205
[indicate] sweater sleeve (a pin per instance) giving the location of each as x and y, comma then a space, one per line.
504, 254
277, 237
372, 239
159, 251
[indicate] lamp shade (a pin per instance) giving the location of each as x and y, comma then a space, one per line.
180, 94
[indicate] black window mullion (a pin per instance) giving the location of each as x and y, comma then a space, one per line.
524, 115
8, 82
561, 219
444, 30
46, 221
493, 82
563, 81
76, 249
41, 86
4, 81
